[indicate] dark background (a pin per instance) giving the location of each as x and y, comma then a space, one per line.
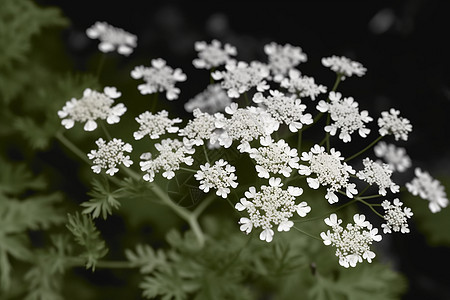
403, 44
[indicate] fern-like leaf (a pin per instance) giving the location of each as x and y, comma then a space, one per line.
146, 258
103, 200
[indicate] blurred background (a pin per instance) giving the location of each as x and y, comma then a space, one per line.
403, 44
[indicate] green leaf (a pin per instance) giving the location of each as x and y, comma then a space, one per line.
104, 200
17, 178
146, 258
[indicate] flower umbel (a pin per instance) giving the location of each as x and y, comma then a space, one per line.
110, 155
219, 176
380, 174
304, 86
391, 123
211, 100
283, 58
396, 218
200, 128
155, 125
212, 55
344, 66
112, 38
395, 157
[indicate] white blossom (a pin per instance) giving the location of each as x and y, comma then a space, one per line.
330, 171
283, 58
352, 242
379, 174
92, 106
270, 206
396, 217
112, 38
219, 176
110, 155
344, 66
155, 125
391, 123
211, 100
395, 157
244, 125
285, 109
274, 158
429, 189
304, 86
172, 153
240, 77
159, 78
200, 128
212, 55
346, 117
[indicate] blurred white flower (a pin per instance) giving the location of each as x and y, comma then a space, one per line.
283, 58
211, 100
112, 38
212, 55
395, 157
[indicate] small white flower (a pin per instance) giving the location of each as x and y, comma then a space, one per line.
287, 110
344, 66
155, 125
396, 218
112, 38
271, 206
219, 176
346, 117
211, 100
283, 58
110, 155
352, 242
200, 128
212, 55
391, 123
379, 174
92, 106
159, 78
304, 86
429, 189
395, 157
330, 171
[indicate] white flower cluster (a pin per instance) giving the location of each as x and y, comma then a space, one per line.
112, 38
395, 157
344, 66
219, 176
155, 125
285, 109
352, 242
346, 117
199, 129
172, 153
212, 56
283, 58
380, 174
330, 171
240, 77
396, 218
274, 158
429, 189
159, 78
211, 100
92, 106
110, 155
391, 123
244, 125
304, 86
271, 206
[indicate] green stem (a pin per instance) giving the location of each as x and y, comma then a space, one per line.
336, 83
371, 207
72, 147
370, 197
105, 130
365, 149
363, 191
305, 233
299, 141
188, 170
205, 152
107, 264
327, 213
247, 101
203, 205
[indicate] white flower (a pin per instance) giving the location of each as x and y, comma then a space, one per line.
172, 153
344, 66
391, 123
287, 110
92, 106
330, 171
219, 176
274, 158
212, 55
396, 218
211, 100
429, 189
110, 155
200, 128
379, 174
304, 86
159, 78
346, 116
240, 77
283, 58
395, 157
244, 125
352, 242
271, 206
155, 125
112, 38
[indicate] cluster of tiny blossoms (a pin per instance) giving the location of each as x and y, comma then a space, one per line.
278, 91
